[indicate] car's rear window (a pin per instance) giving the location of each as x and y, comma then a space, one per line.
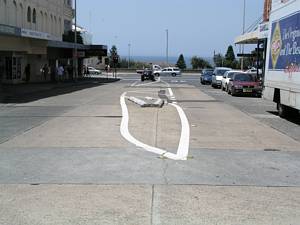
221, 72
243, 77
208, 73
230, 75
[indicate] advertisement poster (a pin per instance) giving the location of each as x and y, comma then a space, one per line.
285, 44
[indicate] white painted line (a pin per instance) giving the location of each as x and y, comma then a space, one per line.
183, 147
184, 143
171, 93
125, 131
133, 84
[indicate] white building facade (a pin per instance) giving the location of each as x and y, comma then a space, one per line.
26, 26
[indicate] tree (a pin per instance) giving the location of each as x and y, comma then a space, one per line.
199, 63
219, 60
181, 62
113, 55
230, 56
230, 60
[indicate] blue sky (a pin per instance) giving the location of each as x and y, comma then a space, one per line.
196, 27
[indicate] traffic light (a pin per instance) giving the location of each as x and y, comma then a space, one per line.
116, 59
106, 61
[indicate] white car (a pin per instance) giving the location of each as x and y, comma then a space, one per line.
226, 78
169, 71
217, 76
93, 71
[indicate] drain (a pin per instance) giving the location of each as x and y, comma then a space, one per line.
272, 150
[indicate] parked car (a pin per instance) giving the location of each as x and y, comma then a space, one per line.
169, 71
147, 75
218, 76
227, 76
93, 71
244, 84
206, 75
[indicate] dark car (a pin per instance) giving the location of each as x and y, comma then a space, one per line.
206, 76
147, 75
244, 84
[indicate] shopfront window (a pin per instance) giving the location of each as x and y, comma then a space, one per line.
29, 15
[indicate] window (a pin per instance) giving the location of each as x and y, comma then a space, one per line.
34, 16
29, 14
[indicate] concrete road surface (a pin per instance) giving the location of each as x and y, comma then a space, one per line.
91, 156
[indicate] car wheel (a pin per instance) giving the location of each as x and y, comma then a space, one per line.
157, 74
232, 92
174, 74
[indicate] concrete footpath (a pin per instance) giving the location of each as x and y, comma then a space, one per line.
64, 161
147, 205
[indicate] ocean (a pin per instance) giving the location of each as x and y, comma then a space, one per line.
162, 59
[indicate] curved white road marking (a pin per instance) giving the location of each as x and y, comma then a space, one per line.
183, 147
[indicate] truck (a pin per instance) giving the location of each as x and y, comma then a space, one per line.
282, 76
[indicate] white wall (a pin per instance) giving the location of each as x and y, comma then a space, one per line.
50, 14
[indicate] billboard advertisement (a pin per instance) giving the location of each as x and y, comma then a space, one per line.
285, 44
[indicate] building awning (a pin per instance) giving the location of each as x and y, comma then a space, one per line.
84, 51
255, 36
248, 38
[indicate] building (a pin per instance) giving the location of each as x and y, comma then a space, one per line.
267, 10
257, 35
32, 33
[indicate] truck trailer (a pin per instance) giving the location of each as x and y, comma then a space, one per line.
282, 76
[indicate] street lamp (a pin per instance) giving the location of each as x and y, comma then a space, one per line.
167, 48
129, 45
244, 24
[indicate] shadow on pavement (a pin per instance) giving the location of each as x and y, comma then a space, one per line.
295, 119
24, 93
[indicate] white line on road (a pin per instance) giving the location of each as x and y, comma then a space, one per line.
133, 84
183, 147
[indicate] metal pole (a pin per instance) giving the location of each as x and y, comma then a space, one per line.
167, 50
75, 43
244, 24
129, 45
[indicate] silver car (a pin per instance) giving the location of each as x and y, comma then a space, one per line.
218, 76
169, 71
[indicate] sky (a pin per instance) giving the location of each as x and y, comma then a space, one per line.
196, 27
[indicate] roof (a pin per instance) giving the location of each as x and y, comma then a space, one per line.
260, 33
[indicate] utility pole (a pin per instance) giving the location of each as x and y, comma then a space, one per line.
129, 45
244, 24
75, 62
167, 49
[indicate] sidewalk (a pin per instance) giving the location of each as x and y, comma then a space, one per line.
25, 92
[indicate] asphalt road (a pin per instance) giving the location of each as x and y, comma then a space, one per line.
65, 157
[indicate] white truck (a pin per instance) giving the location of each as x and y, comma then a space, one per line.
282, 77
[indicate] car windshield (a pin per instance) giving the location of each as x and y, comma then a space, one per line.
230, 75
208, 73
221, 72
243, 77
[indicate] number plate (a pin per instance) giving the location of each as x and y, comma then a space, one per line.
247, 90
